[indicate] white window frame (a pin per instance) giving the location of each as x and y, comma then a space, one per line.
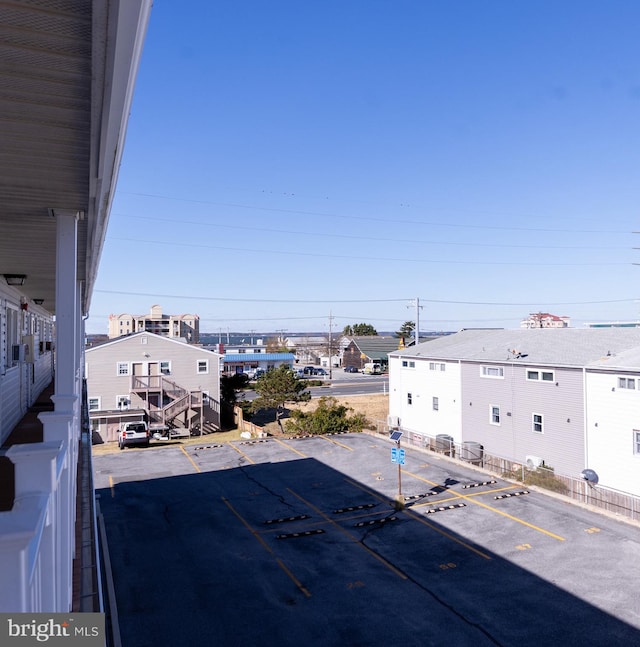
636, 442
123, 402
409, 399
486, 371
435, 403
537, 423
538, 375
202, 366
166, 363
627, 383
97, 402
494, 415
407, 364
123, 365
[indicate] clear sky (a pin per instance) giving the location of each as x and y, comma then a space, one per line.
289, 160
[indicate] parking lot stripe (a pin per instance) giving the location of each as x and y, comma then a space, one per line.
113, 492
266, 546
295, 451
184, 451
472, 498
241, 453
336, 525
335, 442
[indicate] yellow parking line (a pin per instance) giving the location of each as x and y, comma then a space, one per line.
266, 546
113, 492
456, 495
381, 559
241, 453
295, 451
469, 498
189, 457
335, 442
421, 519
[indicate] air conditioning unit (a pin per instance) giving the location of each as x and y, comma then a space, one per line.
533, 462
393, 421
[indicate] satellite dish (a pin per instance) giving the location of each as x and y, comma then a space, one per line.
590, 476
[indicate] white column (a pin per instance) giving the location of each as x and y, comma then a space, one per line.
66, 306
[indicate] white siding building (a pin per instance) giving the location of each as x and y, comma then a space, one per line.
171, 383
566, 397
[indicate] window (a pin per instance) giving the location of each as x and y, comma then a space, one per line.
242, 350
636, 441
94, 404
435, 403
409, 398
492, 371
407, 364
542, 376
123, 368
436, 366
203, 366
537, 423
626, 383
143, 339
495, 415
122, 402
165, 368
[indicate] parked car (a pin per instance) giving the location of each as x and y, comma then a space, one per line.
350, 369
308, 370
133, 433
319, 371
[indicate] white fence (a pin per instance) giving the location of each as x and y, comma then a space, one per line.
37, 536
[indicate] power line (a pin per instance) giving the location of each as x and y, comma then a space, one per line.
534, 263
371, 238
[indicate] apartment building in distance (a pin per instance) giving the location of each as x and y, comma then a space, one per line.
184, 326
545, 320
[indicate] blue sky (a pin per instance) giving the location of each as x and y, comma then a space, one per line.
287, 161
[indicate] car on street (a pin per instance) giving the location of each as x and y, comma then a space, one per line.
133, 433
319, 371
351, 369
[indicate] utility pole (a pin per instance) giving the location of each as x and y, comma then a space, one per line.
416, 332
330, 346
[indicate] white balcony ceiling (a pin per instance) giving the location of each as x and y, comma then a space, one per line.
67, 69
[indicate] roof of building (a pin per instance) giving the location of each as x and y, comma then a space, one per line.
609, 348
376, 347
258, 357
164, 338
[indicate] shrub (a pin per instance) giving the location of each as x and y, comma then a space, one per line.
328, 417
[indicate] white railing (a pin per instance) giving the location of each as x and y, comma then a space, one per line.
37, 536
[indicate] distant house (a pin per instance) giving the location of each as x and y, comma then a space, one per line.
369, 348
545, 320
568, 398
254, 359
150, 377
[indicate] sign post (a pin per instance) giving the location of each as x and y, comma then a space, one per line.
397, 456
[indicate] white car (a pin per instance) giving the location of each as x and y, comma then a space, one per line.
133, 433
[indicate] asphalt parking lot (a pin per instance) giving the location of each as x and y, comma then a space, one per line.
290, 542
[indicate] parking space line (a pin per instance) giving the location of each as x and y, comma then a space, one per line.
335, 442
241, 453
335, 524
422, 520
266, 546
184, 451
471, 499
113, 492
295, 451
458, 495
